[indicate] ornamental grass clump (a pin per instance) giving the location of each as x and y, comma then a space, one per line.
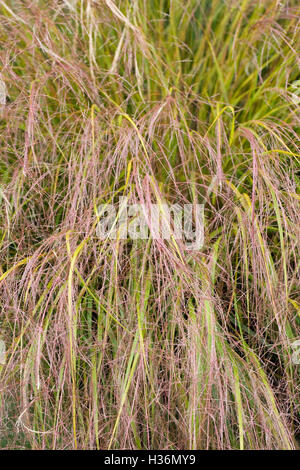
117, 342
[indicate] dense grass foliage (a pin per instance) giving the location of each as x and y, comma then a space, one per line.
145, 344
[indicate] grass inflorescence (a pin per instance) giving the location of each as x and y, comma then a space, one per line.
143, 344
